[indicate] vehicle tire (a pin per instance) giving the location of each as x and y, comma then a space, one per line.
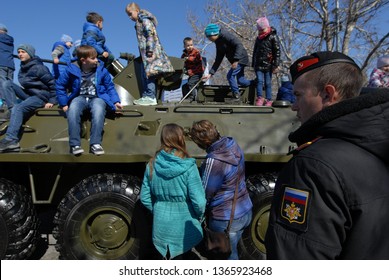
19, 223
99, 219
261, 188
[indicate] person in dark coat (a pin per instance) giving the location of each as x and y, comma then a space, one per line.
331, 200
36, 90
7, 65
266, 58
229, 46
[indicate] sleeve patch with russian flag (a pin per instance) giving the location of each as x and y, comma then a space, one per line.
294, 208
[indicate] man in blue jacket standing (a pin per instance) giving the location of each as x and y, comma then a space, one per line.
36, 90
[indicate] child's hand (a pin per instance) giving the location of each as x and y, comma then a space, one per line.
118, 106
206, 77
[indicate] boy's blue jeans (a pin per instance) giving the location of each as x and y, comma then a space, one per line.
264, 78
20, 111
236, 230
236, 77
97, 107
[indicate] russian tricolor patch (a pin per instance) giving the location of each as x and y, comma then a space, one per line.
294, 205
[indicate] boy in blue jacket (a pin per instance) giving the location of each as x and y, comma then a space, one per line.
93, 36
92, 89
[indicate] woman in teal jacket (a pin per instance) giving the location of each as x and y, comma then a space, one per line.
173, 192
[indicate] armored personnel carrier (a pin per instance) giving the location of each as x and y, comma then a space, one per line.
95, 198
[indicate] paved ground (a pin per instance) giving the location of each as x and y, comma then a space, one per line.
45, 249
50, 253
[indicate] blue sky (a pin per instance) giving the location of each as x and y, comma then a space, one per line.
42, 22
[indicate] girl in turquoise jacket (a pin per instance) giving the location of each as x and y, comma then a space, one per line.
173, 192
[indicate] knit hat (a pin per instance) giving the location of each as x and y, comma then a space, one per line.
318, 59
3, 27
77, 43
262, 23
383, 61
66, 38
28, 49
212, 29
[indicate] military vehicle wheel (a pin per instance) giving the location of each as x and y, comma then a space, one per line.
95, 220
252, 244
19, 224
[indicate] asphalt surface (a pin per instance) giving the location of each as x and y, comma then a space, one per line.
48, 248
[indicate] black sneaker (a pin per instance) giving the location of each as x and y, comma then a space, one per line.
236, 95
96, 149
76, 150
9, 146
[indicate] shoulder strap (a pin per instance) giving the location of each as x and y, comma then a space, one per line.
234, 203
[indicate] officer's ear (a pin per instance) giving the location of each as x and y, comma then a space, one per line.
330, 95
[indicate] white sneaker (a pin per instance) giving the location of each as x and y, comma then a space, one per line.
146, 101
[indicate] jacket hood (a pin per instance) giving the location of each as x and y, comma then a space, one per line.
7, 39
226, 150
363, 121
89, 26
143, 14
168, 165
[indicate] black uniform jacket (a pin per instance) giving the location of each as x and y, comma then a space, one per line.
331, 200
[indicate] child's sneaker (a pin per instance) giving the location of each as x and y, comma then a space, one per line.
76, 150
7, 145
146, 101
96, 149
236, 95
259, 101
268, 103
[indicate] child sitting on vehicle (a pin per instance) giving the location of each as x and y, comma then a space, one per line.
92, 89
36, 90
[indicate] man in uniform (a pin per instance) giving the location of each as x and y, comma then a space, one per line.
331, 200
